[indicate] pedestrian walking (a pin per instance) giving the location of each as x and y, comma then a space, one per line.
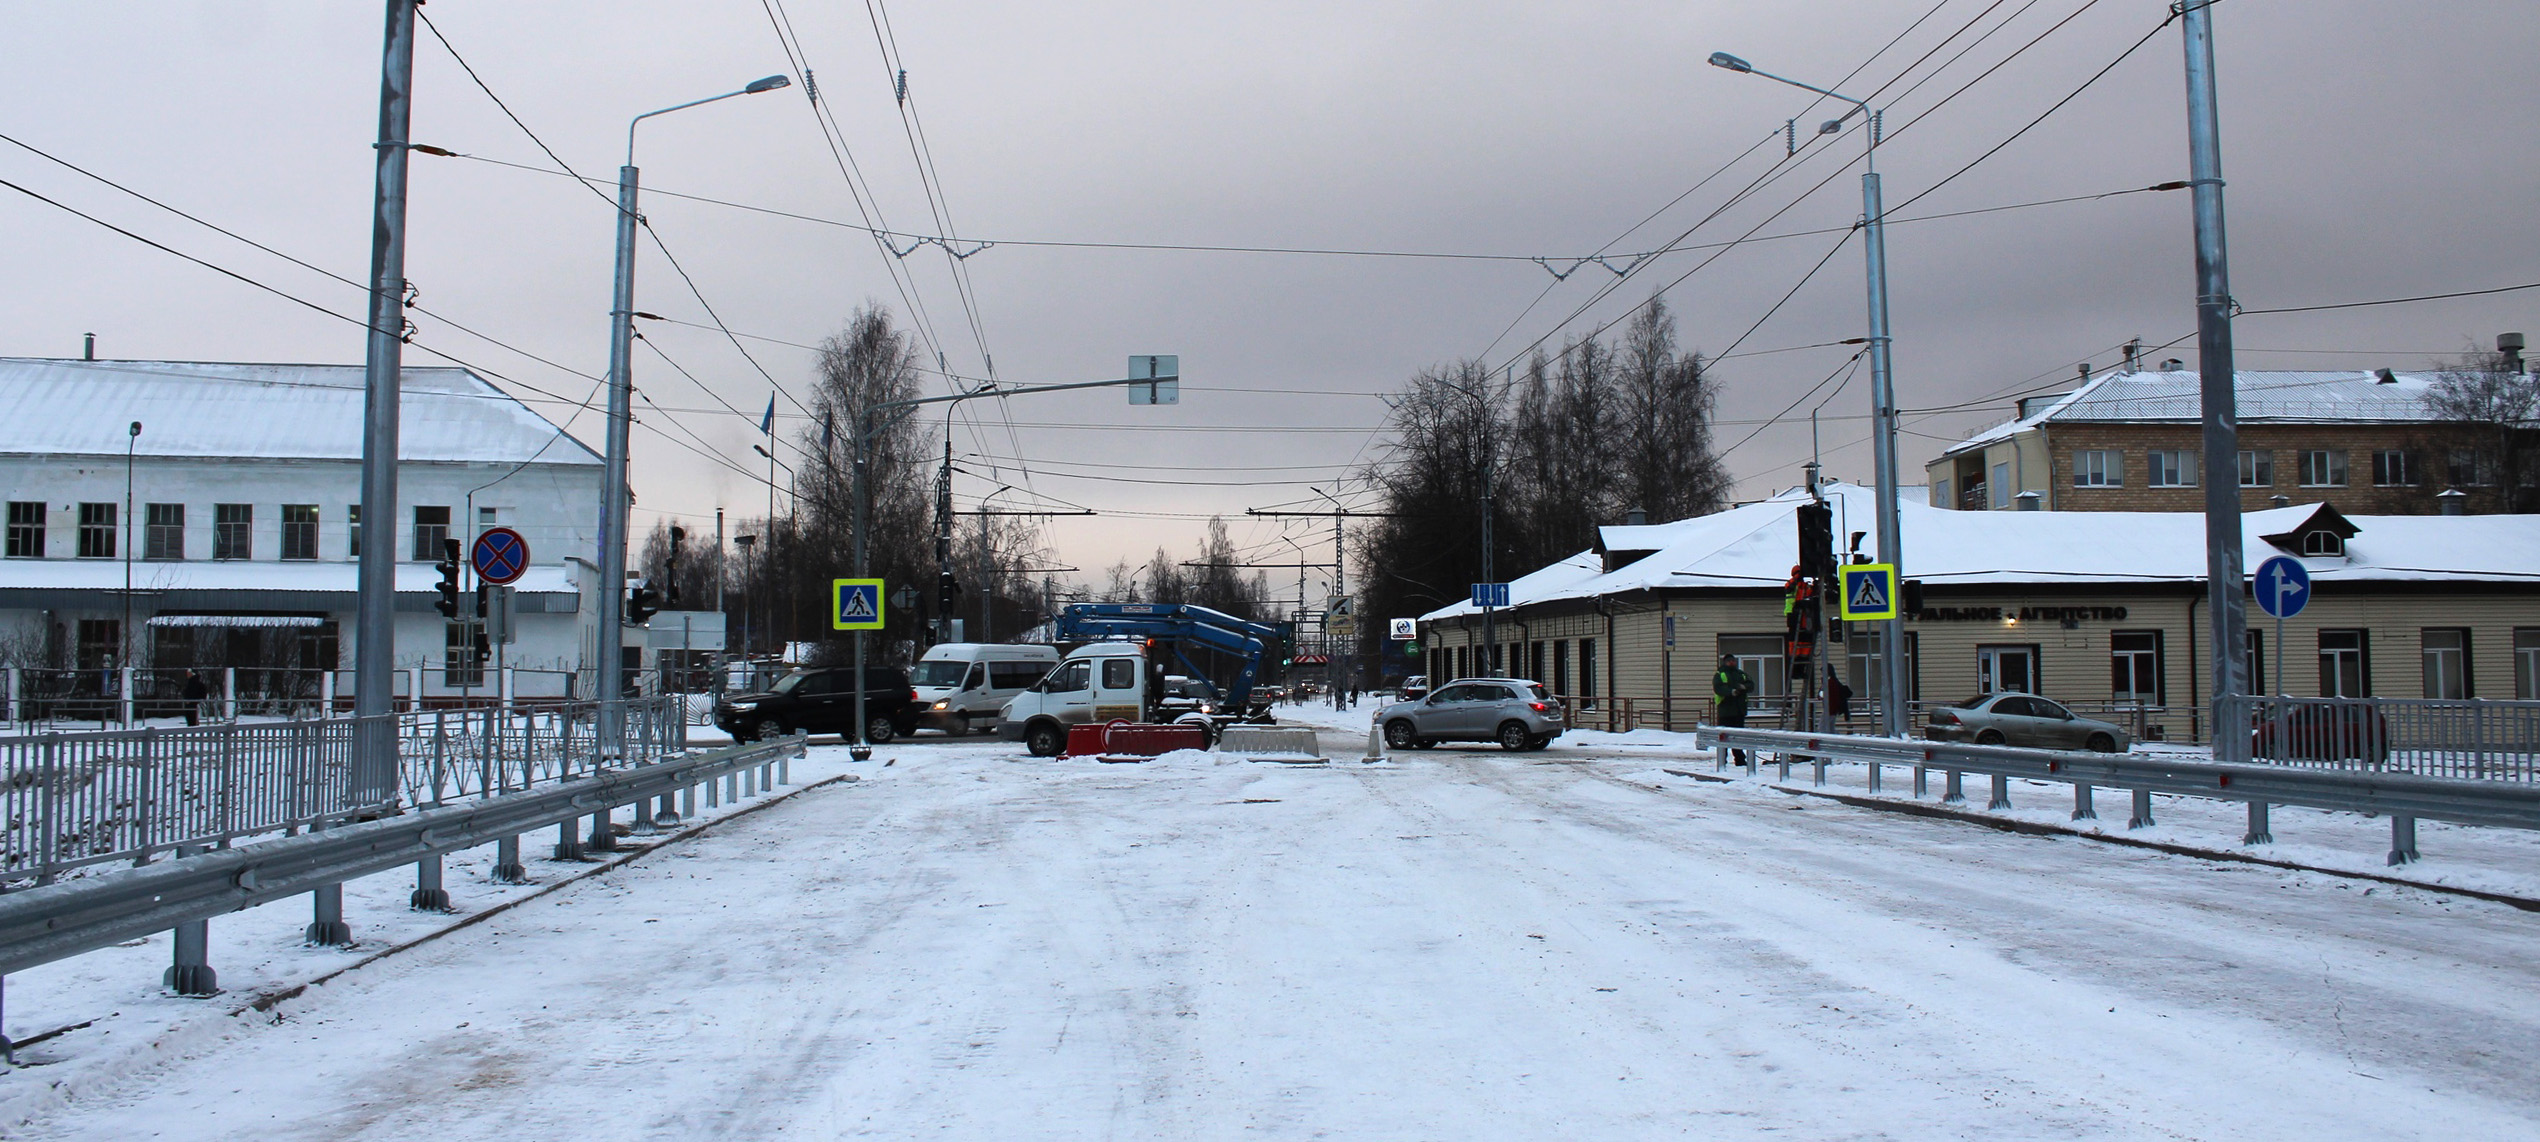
196, 693
1730, 687
1838, 696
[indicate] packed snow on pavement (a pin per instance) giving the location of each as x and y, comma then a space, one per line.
973, 943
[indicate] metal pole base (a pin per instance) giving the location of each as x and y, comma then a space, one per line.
191, 974
2142, 818
1953, 789
603, 838
643, 822
507, 866
2258, 834
568, 845
195, 980
2001, 794
1922, 782
428, 895
1874, 777
664, 814
2403, 840
2083, 809
328, 929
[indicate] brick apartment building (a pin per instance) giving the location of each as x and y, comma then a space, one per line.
2133, 441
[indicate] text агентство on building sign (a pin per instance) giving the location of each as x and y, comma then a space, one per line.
2022, 614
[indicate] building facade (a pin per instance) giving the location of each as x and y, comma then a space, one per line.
2133, 441
233, 515
2105, 612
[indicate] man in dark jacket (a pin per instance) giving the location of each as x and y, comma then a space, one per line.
1729, 688
196, 693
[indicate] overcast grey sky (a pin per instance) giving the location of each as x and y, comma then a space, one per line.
2373, 150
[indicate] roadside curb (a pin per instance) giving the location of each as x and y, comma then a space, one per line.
2043, 829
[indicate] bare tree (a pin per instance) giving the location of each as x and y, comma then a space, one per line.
2490, 394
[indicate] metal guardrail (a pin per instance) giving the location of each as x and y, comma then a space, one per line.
52, 922
74, 799
2474, 739
2403, 797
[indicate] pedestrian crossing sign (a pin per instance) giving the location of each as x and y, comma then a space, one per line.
855, 604
1869, 592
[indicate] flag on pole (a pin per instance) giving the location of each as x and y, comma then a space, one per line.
767, 423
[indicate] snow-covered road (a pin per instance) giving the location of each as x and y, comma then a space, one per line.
1455, 945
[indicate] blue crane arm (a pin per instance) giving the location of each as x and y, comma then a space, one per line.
1085, 622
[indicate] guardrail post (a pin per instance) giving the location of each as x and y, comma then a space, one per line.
429, 896
2142, 818
191, 973
785, 767
603, 838
643, 815
2403, 839
327, 927
687, 802
568, 844
1874, 776
1922, 782
2257, 834
507, 866
749, 782
2001, 793
1819, 764
1953, 790
732, 787
2083, 810
714, 793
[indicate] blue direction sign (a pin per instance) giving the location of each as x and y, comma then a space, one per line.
500, 556
1490, 594
2283, 586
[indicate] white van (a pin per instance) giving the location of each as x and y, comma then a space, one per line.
1098, 682
961, 685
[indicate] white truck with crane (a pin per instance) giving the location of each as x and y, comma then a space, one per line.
1118, 672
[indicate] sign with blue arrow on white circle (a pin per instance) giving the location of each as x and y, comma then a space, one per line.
2283, 586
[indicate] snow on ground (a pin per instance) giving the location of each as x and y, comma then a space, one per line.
971, 943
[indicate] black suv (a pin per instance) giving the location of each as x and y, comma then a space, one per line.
822, 701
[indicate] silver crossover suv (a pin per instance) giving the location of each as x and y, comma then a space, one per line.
1514, 712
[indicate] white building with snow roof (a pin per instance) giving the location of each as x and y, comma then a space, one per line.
235, 513
2132, 441
2102, 610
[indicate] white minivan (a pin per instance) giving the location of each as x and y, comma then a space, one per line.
961, 685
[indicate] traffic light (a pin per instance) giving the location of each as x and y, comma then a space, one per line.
449, 586
484, 600
677, 534
949, 587
641, 602
1816, 541
1909, 595
484, 647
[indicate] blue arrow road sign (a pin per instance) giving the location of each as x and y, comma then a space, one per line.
1490, 594
2283, 587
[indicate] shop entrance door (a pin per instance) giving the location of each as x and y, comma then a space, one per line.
2006, 668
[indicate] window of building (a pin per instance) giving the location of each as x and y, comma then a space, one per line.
2345, 664
2001, 668
1940, 492
100, 644
2098, 469
2527, 663
1760, 656
1868, 681
2446, 661
1587, 668
2134, 658
2394, 468
2257, 469
458, 656
2257, 660
163, 532
96, 531
26, 530
2323, 468
353, 532
233, 531
2323, 542
2169, 469
1561, 666
299, 531
432, 529
1534, 661
2468, 468
2001, 486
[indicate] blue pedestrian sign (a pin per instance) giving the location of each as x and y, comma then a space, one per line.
500, 556
2283, 586
1869, 592
1490, 594
855, 604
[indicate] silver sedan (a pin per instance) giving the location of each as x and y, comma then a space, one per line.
2024, 720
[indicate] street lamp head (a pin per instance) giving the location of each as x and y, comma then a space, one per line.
1830, 127
760, 451
1724, 59
770, 83
136, 428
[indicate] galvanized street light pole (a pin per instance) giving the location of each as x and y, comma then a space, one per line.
1893, 690
2223, 556
611, 590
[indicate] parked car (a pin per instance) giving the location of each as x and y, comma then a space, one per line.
1416, 686
1516, 713
2024, 720
2320, 732
822, 701
1186, 695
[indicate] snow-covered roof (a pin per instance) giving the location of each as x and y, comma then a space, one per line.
2262, 397
307, 412
244, 575
1755, 544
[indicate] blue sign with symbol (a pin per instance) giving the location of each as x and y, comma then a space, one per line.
500, 556
1490, 594
2283, 586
